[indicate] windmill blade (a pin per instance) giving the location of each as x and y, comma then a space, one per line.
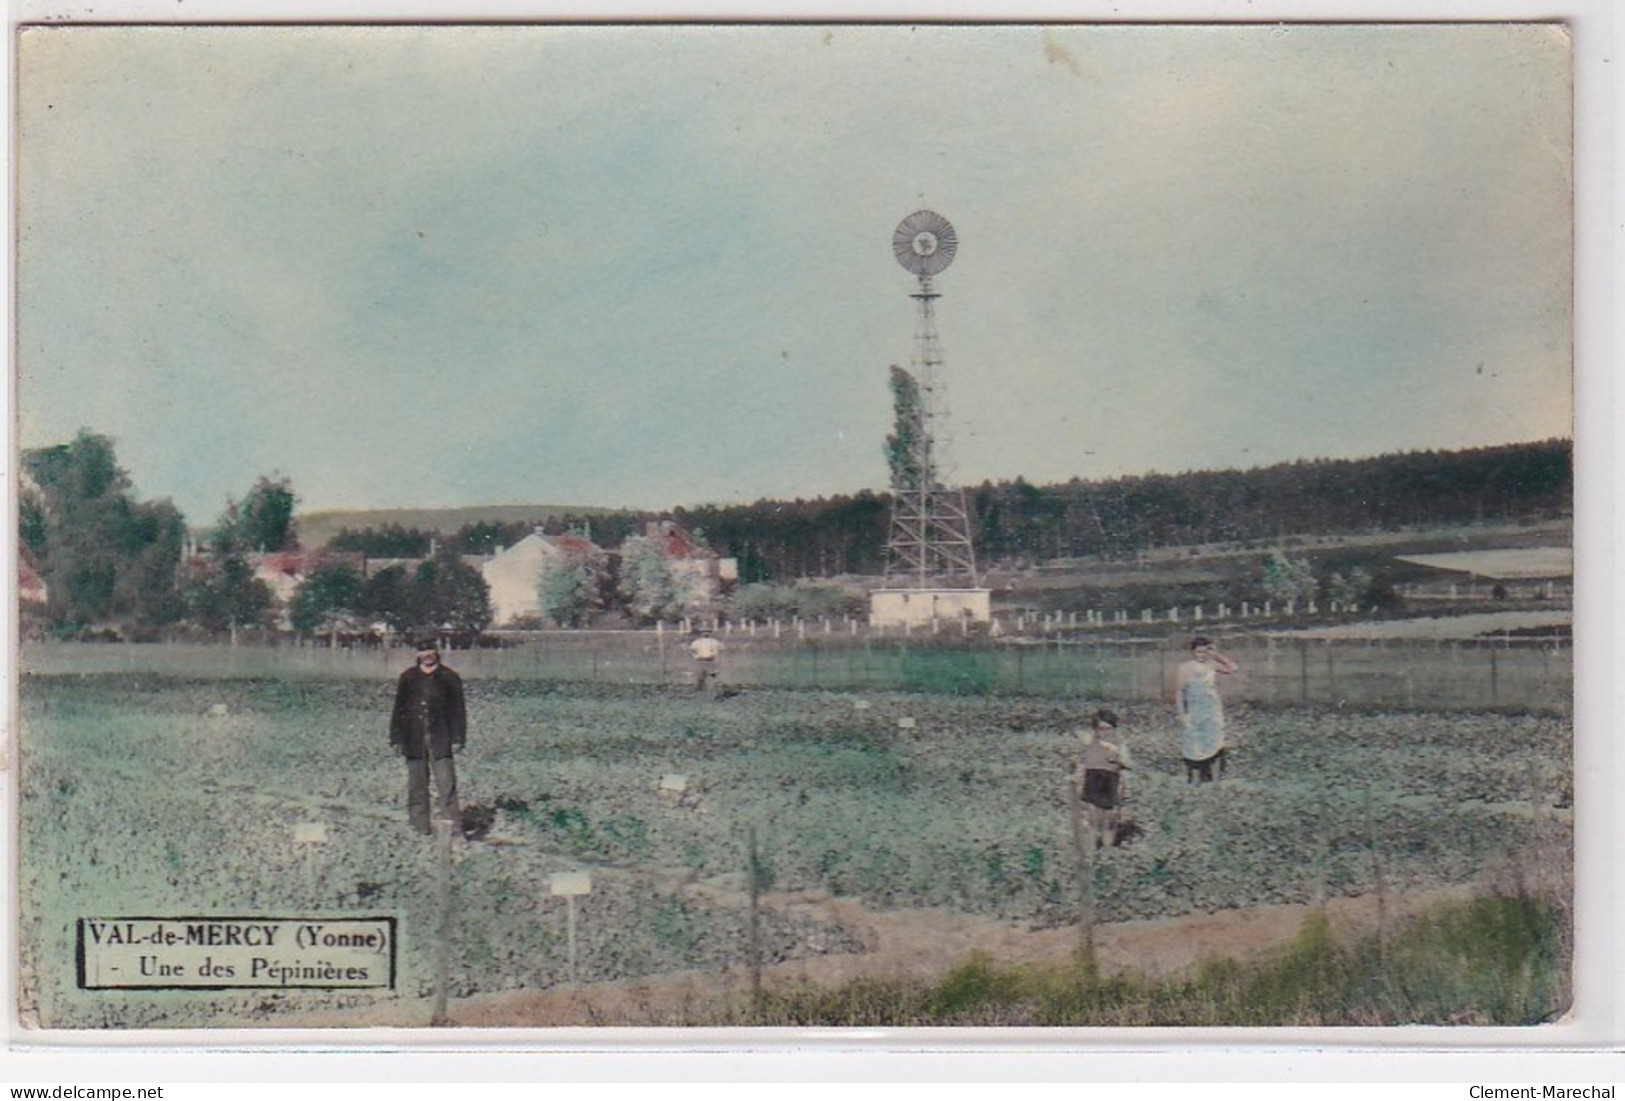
925, 243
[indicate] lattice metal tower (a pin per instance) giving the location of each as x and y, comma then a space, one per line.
930, 545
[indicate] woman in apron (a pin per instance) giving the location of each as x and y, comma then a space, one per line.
1201, 710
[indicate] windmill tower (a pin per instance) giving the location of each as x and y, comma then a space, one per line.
930, 559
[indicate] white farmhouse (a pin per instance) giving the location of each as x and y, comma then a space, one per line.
512, 572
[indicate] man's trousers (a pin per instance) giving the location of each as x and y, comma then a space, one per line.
444, 773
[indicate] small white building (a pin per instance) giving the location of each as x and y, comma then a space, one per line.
922, 607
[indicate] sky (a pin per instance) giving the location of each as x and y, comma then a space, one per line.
651, 266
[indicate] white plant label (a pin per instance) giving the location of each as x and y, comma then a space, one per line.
570, 883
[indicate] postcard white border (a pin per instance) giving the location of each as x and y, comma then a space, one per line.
1595, 1037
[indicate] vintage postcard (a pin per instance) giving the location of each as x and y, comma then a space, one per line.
718, 526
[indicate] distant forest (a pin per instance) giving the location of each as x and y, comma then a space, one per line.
1017, 521
1020, 522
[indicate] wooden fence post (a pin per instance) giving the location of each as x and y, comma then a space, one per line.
1086, 875
755, 927
442, 948
1377, 871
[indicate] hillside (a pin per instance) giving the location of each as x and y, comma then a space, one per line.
316, 528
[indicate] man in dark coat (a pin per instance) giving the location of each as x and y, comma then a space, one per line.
428, 726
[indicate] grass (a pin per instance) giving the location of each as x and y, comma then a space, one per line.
1494, 960
143, 793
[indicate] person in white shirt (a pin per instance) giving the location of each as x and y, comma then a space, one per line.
705, 649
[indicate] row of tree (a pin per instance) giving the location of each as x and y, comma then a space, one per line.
441, 591
1016, 521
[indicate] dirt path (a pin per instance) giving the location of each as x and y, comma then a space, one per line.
924, 944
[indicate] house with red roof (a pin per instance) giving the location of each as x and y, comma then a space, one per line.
700, 573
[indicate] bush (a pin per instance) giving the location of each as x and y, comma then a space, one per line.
807, 599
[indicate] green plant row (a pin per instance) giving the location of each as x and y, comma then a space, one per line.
1502, 956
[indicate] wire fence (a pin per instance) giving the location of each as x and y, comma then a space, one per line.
1535, 674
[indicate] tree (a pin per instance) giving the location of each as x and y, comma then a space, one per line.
105, 556
902, 446
485, 536
146, 585
647, 584
333, 595
390, 541
387, 596
1352, 589
84, 470
448, 592
766, 600
763, 600
1284, 578
227, 596
568, 585
262, 522
32, 522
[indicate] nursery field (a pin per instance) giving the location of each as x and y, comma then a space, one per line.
146, 794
